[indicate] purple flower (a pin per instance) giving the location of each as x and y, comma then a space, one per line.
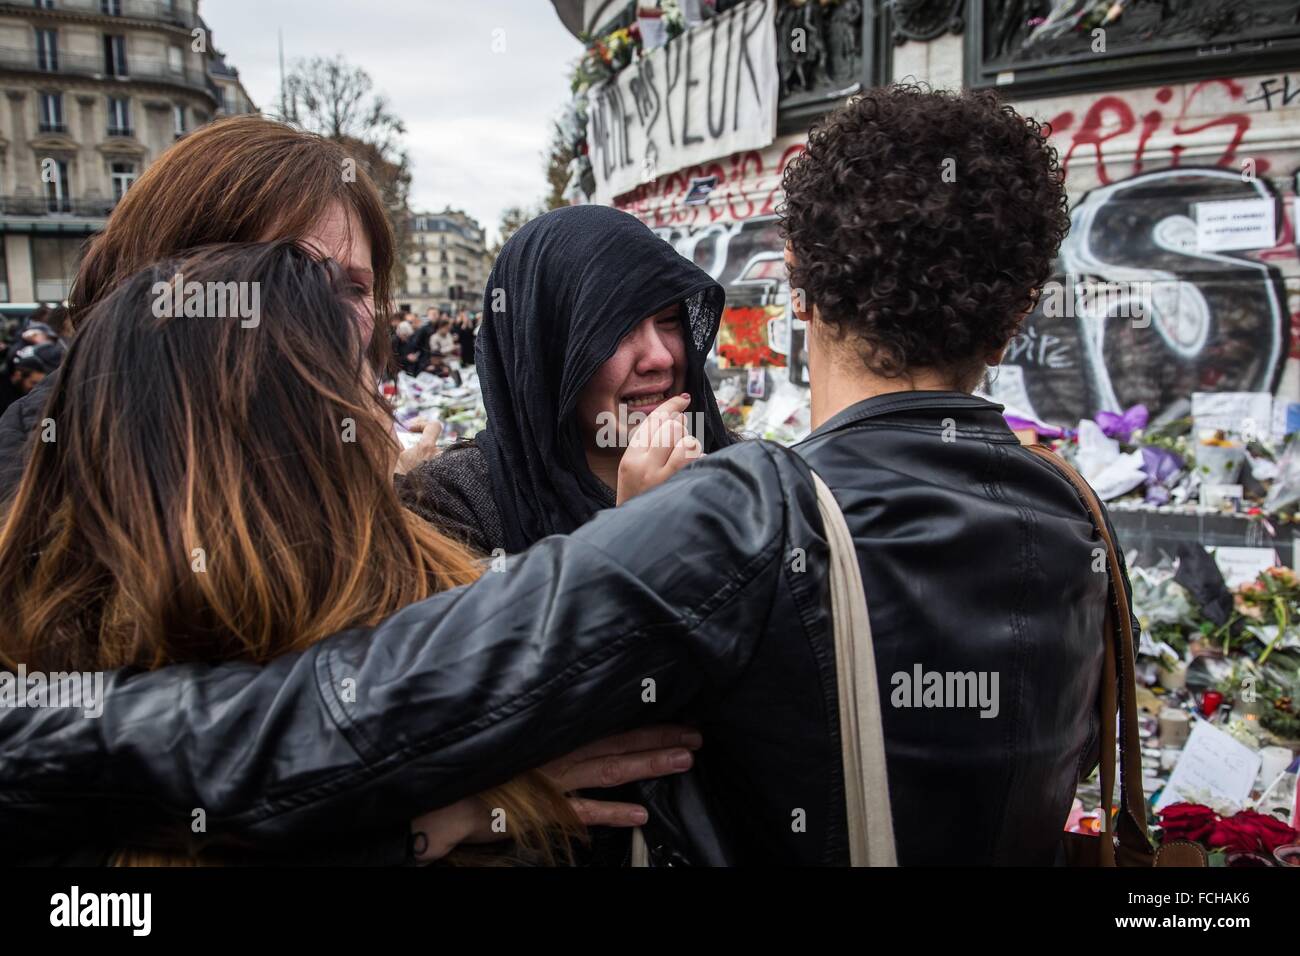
1161, 466
1122, 427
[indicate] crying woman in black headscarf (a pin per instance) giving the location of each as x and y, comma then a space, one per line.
590, 320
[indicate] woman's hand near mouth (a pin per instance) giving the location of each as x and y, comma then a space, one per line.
660, 447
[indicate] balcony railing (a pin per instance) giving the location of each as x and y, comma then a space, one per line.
69, 64
52, 206
121, 131
53, 127
158, 10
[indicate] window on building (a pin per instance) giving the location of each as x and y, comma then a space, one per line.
176, 59
4, 275
47, 50
54, 263
119, 116
111, 7
45, 4
424, 270
54, 178
444, 274
123, 175
51, 113
115, 54
424, 288
178, 118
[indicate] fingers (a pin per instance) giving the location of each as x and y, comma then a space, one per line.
657, 737
684, 452
617, 769
644, 432
601, 813
425, 449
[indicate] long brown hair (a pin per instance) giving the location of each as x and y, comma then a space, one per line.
219, 486
240, 179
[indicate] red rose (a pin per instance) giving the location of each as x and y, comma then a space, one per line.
1188, 821
1250, 831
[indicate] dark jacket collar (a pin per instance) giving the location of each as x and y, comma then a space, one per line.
894, 402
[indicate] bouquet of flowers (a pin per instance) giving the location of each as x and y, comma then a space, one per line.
1246, 831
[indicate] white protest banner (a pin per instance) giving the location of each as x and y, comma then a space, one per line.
709, 93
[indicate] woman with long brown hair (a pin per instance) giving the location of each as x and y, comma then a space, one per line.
244, 179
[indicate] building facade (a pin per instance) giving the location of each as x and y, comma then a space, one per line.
447, 265
94, 91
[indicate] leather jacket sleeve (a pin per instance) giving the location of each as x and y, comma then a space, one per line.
621, 624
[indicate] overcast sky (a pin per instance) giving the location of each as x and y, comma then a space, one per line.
477, 121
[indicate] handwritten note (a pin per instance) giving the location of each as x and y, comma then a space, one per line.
1213, 765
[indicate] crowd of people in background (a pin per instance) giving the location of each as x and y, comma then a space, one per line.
426, 343
33, 348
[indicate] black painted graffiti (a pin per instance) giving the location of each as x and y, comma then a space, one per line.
1276, 89
723, 59
1213, 321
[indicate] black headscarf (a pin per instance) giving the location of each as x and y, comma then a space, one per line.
564, 292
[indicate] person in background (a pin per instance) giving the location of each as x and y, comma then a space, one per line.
406, 349
441, 342
27, 369
465, 337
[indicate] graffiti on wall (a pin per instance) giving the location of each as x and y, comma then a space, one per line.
1137, 161
1209, 321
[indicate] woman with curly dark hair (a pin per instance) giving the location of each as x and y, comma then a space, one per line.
920, 226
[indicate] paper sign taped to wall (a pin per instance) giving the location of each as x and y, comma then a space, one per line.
1213, 766
1235, 224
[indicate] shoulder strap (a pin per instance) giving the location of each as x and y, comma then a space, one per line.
1134, 847
862, 737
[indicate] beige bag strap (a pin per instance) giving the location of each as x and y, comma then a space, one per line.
862, 737
640, 852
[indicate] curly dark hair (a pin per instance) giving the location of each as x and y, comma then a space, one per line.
923, 225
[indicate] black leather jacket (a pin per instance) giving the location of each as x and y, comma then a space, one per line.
704, 598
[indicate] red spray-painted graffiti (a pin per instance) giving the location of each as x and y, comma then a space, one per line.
1111, 117
744, 190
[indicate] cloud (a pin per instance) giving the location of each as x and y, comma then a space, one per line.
478, 121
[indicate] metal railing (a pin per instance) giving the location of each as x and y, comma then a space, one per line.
73, 64
55, 206
158, 10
